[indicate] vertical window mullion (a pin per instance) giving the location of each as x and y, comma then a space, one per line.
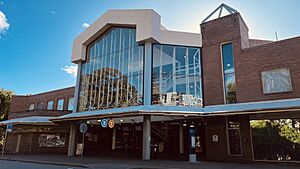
187, 75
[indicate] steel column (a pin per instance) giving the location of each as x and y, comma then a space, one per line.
146, 137
72, 140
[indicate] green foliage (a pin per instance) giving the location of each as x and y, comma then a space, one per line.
231, 93
5, 98
276, 139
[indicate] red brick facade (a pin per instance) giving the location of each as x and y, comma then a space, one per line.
20, 104
28, 135
254, 60
230, 28
251, 57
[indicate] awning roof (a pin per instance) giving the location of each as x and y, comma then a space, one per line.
238, 108
133, 111
33, 120
254, 107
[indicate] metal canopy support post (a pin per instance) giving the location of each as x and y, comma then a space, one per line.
113, 144
72, 140
146, 154
4, 144
181, 139
146, 137
83, 134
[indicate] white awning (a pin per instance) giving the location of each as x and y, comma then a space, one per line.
237, 108
184, 111
33, 120
253, 106
134, 111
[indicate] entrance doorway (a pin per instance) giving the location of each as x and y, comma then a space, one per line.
169, 140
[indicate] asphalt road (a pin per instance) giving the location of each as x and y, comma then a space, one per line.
24, 165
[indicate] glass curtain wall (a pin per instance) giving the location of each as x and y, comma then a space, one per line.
112, 76
176, 76
229, 75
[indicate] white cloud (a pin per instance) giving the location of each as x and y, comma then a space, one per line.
4, 25
72, 70
85, 25
53, 12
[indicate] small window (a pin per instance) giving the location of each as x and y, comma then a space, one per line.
40, 105
71, 104
31, 107
276, 81
60, 104
50, 105
233, 136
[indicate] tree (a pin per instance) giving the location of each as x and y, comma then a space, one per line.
276, 139
5, 98
231, 93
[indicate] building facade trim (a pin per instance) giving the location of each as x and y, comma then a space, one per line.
148, 26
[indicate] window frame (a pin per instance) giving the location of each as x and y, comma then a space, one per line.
223, 73
40, 105
88, 59
228, 143
33, 106
200, 71
51, 106
63, 102
272, 70
72, 104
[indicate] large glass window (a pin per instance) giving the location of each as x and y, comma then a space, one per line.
276, 81
112, 76
233, 135
229, 76
176, 75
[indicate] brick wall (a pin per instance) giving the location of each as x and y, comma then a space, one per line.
20, 104
254, 60
29, 142
251, 57
218, 151
230, 28
28, 113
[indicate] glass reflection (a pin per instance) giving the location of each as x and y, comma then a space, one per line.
113, 74
176, 76
229, 75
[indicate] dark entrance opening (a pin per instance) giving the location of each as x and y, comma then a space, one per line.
165, 140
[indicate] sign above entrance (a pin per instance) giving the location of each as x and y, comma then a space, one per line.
107, 123
83, 127
104, 123
111, 123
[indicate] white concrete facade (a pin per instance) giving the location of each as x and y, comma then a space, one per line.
148, 27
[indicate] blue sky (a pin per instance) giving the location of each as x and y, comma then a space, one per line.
36, 38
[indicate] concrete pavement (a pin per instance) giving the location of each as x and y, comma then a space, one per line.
126, 163
5, 164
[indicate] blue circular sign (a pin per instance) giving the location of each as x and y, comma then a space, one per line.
104, 122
